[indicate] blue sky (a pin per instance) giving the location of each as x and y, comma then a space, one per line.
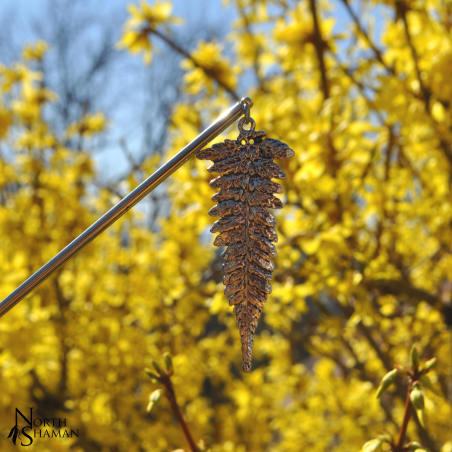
132, 78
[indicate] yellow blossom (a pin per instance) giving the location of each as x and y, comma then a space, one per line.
35, 51
88, 125
206, 66
144, 19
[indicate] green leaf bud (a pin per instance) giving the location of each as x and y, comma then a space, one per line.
387, 381
154, 399
414, 445
372, 446
168, 360
430, 364
421, 416
157, 367
417, 398
152, 375
426, 383
414, 358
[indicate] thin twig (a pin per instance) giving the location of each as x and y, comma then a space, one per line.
365, 35
406, 420
425, 93
361, 87
171, 396
319, 48
258, 50
187, 55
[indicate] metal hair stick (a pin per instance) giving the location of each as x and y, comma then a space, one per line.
221, 124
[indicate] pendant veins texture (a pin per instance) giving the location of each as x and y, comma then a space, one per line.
246, 168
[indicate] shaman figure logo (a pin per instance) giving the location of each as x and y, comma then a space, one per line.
15, 431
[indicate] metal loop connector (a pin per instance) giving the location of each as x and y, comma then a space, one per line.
247, 104
244, 121
246, 107
246, 101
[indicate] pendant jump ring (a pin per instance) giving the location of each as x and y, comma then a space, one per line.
244, 121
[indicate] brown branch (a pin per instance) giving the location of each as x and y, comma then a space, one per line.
187, 55
361, 87
336, 359
384, 358
403, 156
332, 156
406, 420
425, 92
110, 189
365, 377
360, 28
165, 379
372, 342
320, 49
389, 150
448, 17
397, 287
258, 50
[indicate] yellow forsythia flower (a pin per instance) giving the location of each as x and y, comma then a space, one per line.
88, 125
35, 51
144, 19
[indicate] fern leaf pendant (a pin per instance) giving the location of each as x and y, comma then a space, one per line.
246, 168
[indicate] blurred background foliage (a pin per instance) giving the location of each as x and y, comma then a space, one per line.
362, 91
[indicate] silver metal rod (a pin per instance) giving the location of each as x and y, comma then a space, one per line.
221, 124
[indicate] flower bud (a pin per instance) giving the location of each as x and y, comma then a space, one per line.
154, 399
417, 398
421, 416
372, 446
168, 360
387, 381
414, 445
426, 383
414, 358
157, 367
386, 437
430, 364
155, 377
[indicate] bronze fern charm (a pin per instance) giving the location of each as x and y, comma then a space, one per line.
246, 168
